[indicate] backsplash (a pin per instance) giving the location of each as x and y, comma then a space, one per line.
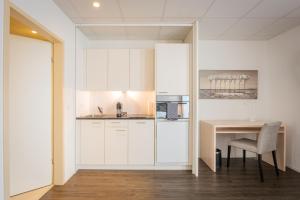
134, 102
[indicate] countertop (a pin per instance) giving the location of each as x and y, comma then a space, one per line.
134, 116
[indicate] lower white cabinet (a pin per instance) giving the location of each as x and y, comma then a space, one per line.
116, 142
172, 142
116, 146
92, 142
141, 142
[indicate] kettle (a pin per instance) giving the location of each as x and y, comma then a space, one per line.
119, 109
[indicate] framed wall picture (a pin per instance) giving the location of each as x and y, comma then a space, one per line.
228, 84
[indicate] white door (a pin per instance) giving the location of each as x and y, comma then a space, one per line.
141, 69
96, 69
30, 114
173, 142
141, 142
172, 69
92, 142
118, 69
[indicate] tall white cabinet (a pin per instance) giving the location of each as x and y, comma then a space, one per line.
172, 142
172, 69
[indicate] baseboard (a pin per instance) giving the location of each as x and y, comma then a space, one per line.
136, 167
293, 168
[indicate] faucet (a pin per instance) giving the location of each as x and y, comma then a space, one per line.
100, 110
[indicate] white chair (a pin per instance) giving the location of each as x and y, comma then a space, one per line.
266, 142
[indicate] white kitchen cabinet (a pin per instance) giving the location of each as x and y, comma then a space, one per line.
81, 69
92, 142
172, 69
141, 142
141, 69
118, 69
116, 142
96, 69
172, 142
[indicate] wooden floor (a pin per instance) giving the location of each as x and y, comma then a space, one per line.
32, 195
237, 183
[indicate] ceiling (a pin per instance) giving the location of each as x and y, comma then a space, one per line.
135, 32
218, 19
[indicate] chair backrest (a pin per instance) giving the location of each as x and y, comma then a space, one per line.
267, 139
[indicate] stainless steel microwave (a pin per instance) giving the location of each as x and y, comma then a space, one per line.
172, 107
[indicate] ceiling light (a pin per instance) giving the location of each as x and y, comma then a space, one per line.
96, 4
34, 32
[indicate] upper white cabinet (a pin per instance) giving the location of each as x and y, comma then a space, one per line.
115, 69
141, 142
141, 69
118, 69
92, 142
96, 69
172, 69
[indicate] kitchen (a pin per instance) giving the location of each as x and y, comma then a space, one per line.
133, 98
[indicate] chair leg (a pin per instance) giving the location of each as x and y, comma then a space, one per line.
228, 156
260, 168
275, 163
244, 157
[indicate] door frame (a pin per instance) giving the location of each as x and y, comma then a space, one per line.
57, 94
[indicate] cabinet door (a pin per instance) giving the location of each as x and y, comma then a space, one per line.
141, 142
118, 69
172, 69
116, 140
141, 69
172, 142
92, 142
81, 69
96, 69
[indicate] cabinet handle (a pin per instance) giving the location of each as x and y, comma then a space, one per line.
163, 92
121, 130
141, 122
115, 122
97, 123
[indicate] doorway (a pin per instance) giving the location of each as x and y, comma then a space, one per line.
34, 102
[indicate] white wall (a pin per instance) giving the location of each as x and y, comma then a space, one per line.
278, 63
50, 16
231, 55
283, 92
1, 99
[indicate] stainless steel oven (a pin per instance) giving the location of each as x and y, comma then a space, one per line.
172, 107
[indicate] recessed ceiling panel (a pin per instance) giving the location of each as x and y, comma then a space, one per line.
186, 8
248, 27
173, 33
135, 32
108, 8
274, 8
279, 27
214, 27
231, 8
142, 8
104, 32
142, 32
